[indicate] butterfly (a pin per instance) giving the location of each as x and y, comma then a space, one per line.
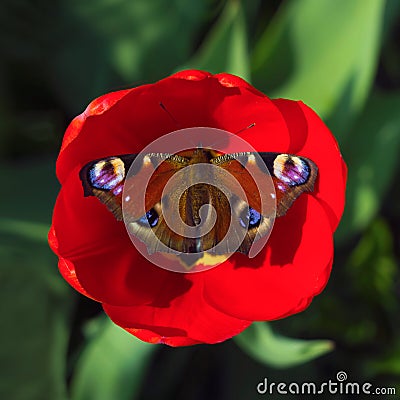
107, 179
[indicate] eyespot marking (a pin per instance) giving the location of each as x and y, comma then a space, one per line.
107, 174
291, 170
150, 218
250, 218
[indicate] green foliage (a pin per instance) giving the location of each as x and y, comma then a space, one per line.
371, 151
324, 53
112, 365
88, 48
277, 351
373, 267
34, 302
225, 47
121, 41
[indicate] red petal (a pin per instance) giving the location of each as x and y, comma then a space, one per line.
322, 148
98, 250
187, 320
295, 122
256, 120
66, 268
151, 337
95, 108
191, 75
137, 119
229, 80
282, 279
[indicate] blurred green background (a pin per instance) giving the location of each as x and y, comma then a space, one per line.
340, 57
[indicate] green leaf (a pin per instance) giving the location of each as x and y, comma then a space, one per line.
112, 365
31, 192
373, 267
34, 231
35, 304
388, 364
34, 300
225, 47
371, 152
109, 44
322, 52
261, 343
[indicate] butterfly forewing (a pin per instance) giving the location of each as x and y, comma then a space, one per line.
292, 175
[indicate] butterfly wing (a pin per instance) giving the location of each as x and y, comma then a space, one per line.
105, 178
108, 179
292, 175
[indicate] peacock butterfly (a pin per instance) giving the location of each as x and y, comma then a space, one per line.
291, 176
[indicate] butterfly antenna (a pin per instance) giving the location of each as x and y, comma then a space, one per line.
236, 133
247, 127
168, 112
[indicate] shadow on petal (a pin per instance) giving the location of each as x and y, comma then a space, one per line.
287, 233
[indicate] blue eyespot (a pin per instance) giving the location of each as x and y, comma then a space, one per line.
255, 218
150, 218
250, 218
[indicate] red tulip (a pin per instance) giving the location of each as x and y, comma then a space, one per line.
98, 259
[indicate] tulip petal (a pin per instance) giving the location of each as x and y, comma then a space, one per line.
98, 253
191, 75
295, 121
230, 80
188, 319
65, 267
322, 148
259, 121
283, 278
137, 119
